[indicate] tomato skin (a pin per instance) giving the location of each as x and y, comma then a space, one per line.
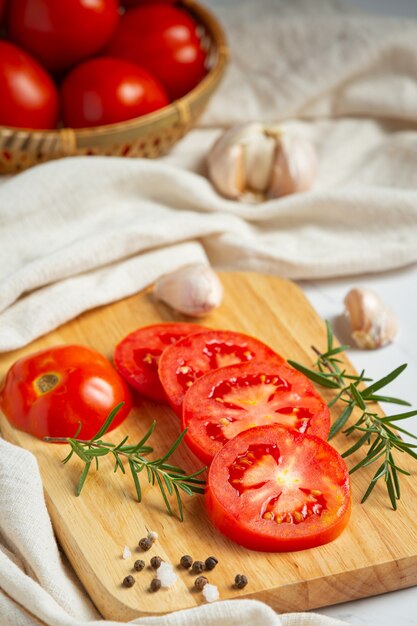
2, 10
60, 33
203, 352
232, 399
239, 517
136, 3
84, 386
136, 357
106, 90
29, 98
163, 39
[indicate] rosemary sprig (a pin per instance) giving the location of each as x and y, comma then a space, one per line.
378, 434
170, 479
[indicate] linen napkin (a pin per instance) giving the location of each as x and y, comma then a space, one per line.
78, 233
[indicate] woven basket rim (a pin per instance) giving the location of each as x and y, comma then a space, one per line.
177, 108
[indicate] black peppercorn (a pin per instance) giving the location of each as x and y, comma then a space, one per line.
197, 567
129, 581
186, 561
156, 562
155, 584
139, 565
145, 543
210, 563
240, 581
200, 582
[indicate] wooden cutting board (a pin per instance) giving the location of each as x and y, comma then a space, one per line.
375, 554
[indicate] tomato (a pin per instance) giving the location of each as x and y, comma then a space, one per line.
136, 3
60, 33
163, 39
181, 364
105, 91
226, 401
47, 393
274, 489
2, 10
137, 356
28, 97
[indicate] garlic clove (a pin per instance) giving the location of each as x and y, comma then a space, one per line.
373, 324
239, 150
294, 166
253, 161
194, 290
258, 159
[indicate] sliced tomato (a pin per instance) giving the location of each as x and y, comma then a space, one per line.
276, 490
190, 358
136, 357
224, 402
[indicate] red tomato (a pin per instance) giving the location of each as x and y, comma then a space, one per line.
137, 3
62, 32
105, 90
193, 356
274, 489
47, 393
28, 97
227, 401
162, 39
137, 356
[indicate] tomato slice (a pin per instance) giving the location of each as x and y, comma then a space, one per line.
227, 401
136, 357
274, 489
193, 356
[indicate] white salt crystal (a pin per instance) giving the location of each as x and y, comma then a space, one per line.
166, 574
210, 592
126, 553
152, 535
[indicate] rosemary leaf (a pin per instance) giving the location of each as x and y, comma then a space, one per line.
383, 382
321, 379
357, 397
83, 477
341, 420
107, 422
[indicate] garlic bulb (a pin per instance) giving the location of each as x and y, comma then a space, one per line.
254, 161
373, 323
194, 290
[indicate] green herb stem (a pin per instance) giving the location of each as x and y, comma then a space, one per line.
171, 480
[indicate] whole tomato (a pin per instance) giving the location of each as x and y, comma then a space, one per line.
2, 7
163, 39
106, 90
49, 392
61, 33
28, 96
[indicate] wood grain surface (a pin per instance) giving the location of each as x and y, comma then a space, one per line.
375, 554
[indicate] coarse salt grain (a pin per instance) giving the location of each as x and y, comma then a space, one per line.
126, 553
166, 574
210, 592
152, 535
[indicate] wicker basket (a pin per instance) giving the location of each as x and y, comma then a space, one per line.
148, 136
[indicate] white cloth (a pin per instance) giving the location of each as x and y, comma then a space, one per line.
82, 232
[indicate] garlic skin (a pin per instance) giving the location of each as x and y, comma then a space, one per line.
194, 290
373, 324
254, 161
